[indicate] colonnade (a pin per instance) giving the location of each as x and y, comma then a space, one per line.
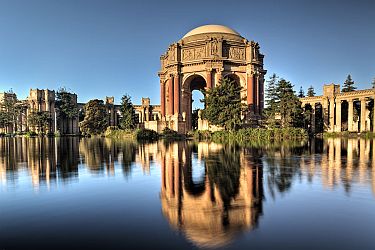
331, 106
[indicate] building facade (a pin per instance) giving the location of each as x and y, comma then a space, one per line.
199, 61
39, 100
341, 111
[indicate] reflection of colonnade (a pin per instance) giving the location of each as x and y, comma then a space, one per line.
45, 159
209, 214
331, 105
359, 167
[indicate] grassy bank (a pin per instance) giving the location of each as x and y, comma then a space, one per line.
142, 134
346, 134
244, 135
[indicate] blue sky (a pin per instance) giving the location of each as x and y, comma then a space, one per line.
108, 48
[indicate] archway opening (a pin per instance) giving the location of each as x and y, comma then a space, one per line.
197, 104
234, 78
195, 85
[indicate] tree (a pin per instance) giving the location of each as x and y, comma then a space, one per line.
348, 85
128, 113
301, 93
271, 100
310, 91
95, 121
223, 105
194, 118
40, 120
373, 83
288, 105
66, 105
10, 110
3, 119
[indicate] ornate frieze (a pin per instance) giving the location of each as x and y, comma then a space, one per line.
189, 54
235, 53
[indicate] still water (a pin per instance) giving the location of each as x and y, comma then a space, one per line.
101, 193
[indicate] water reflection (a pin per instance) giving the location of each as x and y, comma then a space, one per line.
226, 201
210, 193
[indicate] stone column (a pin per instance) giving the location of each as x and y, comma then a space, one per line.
162, 99
331, 115
176, 94
363, 114
250, 97
170, 94
147, 114
338, 116
325, 114
261, 95
209, 79
218, 76
313, 117
256, 85
350, 115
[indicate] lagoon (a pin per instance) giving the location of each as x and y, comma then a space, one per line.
103, 193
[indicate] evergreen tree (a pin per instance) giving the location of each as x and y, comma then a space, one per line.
288, 106
9, 110
223, 105
373, 83
128, 113
301, 93
66, 105
348, 85
271, 100
310, 91
95, 121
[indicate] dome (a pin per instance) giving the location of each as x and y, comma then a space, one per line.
212, 28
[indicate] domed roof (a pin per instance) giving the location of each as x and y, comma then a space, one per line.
212, 28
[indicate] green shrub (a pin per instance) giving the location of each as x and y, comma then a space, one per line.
146, 134
168, 133
31, 134
115, 132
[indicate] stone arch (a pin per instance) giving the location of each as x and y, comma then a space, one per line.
234, 77
191, 82
188, 78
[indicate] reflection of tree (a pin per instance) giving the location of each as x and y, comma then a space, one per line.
94, 152
67, 156
128, 149
283, 165
224, 171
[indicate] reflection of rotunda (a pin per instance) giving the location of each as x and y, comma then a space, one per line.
198, 61
210, 211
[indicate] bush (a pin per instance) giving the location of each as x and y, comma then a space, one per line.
171, 134
115, 132
146, 134
31, 134
202, 134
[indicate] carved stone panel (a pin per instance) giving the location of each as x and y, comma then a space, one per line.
193, 53
237, 53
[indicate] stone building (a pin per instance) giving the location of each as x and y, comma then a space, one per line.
198, 61
333, 106
40, 100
